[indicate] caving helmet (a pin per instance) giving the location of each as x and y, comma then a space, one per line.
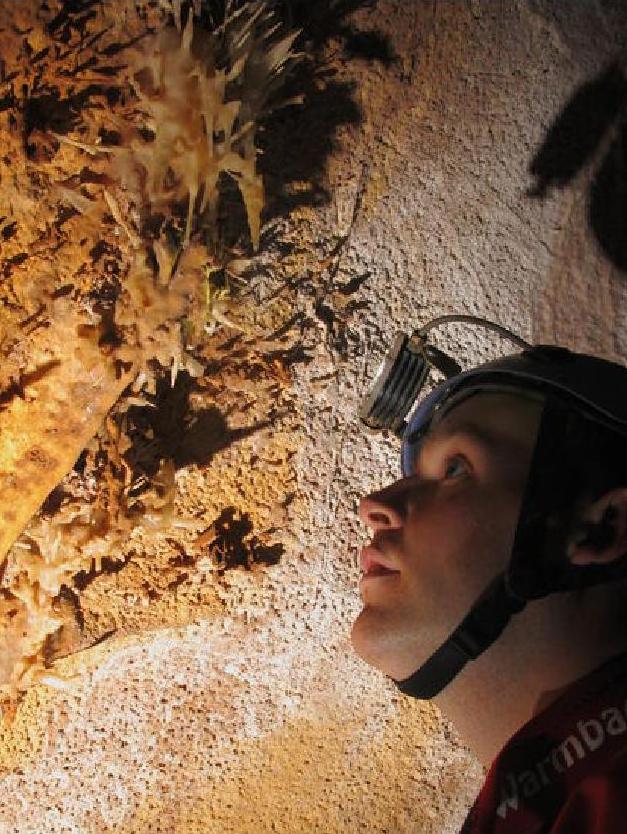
576, 458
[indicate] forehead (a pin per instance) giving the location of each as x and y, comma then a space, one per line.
494, 418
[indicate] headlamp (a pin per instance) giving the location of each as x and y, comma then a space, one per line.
404, 371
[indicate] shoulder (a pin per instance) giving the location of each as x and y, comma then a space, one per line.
598, 803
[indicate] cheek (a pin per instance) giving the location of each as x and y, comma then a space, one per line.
451, 547
460, 543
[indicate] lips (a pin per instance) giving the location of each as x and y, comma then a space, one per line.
373, 563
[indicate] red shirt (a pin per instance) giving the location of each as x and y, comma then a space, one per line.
565, 771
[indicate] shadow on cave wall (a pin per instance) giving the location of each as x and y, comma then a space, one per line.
172, 430
597, 108
234, 545
297, 141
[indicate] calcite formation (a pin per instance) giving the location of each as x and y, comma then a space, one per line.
119, 149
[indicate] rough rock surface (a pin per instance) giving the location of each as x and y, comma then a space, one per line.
227, 699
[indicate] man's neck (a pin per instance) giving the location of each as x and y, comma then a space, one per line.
521, 675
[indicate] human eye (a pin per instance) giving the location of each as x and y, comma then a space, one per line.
455, 466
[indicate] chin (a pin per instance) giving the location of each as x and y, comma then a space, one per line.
384, 640
371, 643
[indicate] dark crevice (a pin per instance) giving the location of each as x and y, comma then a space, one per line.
85, 577
18, 388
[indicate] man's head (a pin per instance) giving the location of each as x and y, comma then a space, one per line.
443, 533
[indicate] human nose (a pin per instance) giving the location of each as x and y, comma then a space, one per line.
383, 510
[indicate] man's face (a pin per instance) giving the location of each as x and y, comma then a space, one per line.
441, 535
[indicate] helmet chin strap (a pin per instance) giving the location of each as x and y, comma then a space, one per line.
478, 630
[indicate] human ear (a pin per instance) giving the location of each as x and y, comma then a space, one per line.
601, 537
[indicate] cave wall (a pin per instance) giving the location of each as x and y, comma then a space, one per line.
249, 712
